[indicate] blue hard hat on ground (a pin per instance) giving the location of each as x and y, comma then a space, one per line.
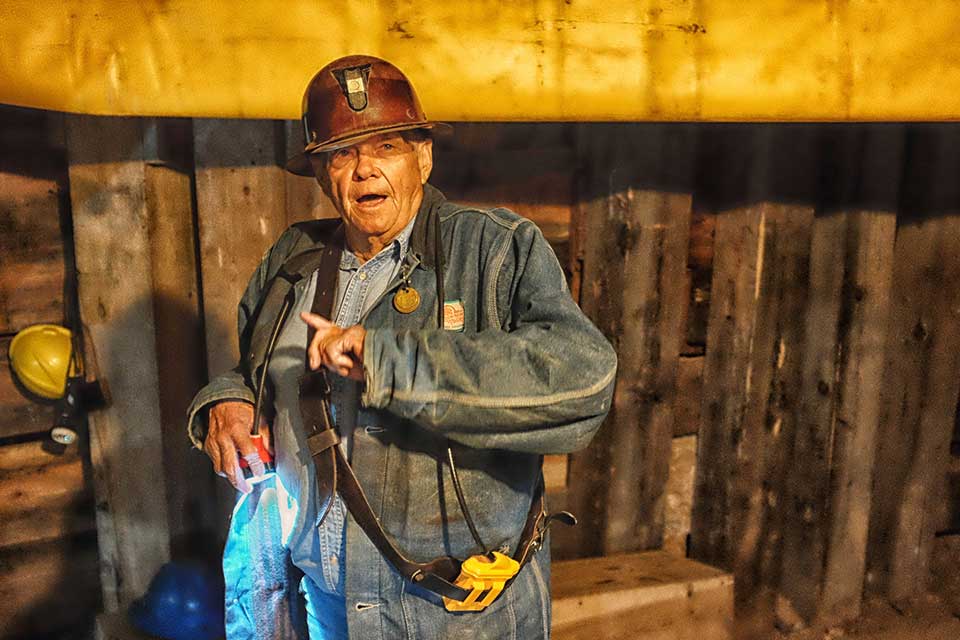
183, 602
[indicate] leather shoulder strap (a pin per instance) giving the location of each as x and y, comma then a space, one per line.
329, 267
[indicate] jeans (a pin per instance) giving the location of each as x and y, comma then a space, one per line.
326, 613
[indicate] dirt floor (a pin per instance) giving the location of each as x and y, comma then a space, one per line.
928, 619
932, 617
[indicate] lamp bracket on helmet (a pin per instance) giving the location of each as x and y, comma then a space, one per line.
353, 83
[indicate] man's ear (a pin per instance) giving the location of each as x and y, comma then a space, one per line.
425, 159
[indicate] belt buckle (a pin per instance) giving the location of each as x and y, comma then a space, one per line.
482, 574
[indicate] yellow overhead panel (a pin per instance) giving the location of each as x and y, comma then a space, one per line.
493, 60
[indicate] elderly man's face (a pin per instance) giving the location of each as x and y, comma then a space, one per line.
377, 184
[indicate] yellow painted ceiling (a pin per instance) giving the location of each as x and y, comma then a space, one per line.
492, 60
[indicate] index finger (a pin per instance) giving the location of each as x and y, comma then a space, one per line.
316, 321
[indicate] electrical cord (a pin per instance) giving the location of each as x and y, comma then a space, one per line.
271, 345
457, 488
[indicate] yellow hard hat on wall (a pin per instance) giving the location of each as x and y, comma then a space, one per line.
40, 356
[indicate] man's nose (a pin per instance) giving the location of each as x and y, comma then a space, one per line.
366, 166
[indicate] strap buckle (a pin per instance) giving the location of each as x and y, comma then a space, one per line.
482, 574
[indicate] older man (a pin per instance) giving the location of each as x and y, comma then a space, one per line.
416, 359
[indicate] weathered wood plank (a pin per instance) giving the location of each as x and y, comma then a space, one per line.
22, 489
31, 243
14, 457
49, 587
860, 378
43, 496
168, 192
679, 495
922, 369
31, 252
45, 503
241, 211
729, 329
832, 467
721, 195
111, 234
637, 203
752, 369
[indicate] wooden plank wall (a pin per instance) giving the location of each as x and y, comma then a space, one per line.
48, 541
819, 238
786, 292
111, 223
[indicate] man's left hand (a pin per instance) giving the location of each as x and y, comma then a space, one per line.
336, 348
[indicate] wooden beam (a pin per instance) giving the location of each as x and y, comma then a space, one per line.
111, 233
636, 198
752, 366
922, 368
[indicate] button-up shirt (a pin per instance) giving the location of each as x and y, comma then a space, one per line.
318, 548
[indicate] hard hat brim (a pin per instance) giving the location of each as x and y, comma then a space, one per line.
299, 164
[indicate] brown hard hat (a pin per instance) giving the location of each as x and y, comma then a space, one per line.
353, 98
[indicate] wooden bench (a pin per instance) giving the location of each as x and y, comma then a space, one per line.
641, 596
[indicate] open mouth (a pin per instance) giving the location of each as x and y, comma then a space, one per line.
371, 199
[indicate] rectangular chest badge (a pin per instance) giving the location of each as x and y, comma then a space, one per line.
453, 315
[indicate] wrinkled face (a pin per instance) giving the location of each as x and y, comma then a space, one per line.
376, 184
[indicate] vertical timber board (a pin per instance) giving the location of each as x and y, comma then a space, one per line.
861, 334
808, 515
168, 179
784, 185
601, 298
923, 359
752, 414
850, 270
729, 328
241, 209
638, 203
111, 235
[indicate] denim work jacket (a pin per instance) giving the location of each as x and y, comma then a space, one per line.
520, 373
